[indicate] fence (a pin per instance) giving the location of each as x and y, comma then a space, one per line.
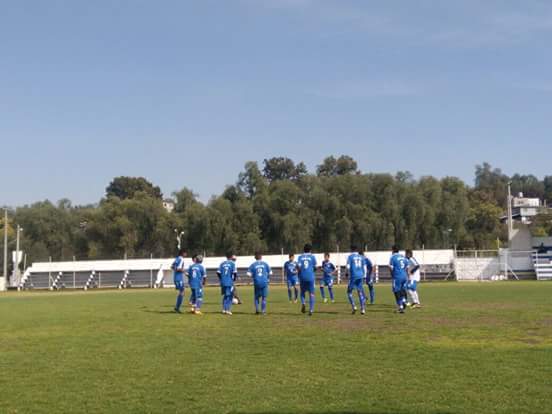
503, 264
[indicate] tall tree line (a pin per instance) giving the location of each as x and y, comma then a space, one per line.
280, 205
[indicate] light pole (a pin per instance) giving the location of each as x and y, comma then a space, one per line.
5, 249
510, 218
16, 261
179, 236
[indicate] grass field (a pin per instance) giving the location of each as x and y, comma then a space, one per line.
473, 348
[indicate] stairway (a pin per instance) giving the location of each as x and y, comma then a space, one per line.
543, 265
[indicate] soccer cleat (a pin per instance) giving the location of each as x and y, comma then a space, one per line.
295, 301
333, 301
310, 313
303, 309
177, 310
363, 312
355, 310
198, 312
325, 300
229, 313
224, 312
416, 306
257, 313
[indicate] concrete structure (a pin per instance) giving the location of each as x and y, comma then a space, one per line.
158, 273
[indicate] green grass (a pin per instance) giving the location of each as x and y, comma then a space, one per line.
473, 348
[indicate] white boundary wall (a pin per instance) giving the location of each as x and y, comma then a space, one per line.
425, 257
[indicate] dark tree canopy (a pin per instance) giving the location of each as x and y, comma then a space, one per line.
282, 168
332, 167
128, 187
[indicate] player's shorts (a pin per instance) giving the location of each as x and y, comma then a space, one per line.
399, 285
179, 285
197, 293
261, 291
307, 286
327, 281
292, 281
355, 284
412, 285
226, 290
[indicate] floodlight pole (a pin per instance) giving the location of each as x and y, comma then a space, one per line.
5, 248
510, 213
16, 262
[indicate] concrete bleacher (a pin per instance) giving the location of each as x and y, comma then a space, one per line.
543, 265
143, 273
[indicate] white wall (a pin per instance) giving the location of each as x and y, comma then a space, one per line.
427, 257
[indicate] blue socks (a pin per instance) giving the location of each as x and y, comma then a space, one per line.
311, 302
289, 294
372, 294
302, 298
179, 300
263, 305
257, 305
351, 299
330, 289
322, 292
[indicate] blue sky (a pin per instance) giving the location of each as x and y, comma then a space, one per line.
185, 92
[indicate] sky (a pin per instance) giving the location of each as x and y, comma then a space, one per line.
184, 92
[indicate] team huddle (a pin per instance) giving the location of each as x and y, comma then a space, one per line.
300, 276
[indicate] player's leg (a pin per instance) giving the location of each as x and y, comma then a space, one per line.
199, 300
312, 298
296, 291
361, 296
372, 291
397, 292
322, 293
330, 290
350, 296
303, 288
192, 299
289, 289
264, 296
256, 299
180, 297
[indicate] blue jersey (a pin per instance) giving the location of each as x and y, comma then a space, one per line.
290, 269
369, 267
227, 273
260, 272
399, 266
196, 274
328, 269
307, 267
356, 265
178, 269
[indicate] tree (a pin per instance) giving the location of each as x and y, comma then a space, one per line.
282, 168
332, 167
129, 187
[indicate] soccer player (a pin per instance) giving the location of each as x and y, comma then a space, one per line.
291, 271
370, 278
196, 280
234, 288
399, 275
307, 272
260, 272
226, 274
178, 275
356, 269
328, 272
413, 279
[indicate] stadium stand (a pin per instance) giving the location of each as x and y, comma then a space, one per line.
157, 273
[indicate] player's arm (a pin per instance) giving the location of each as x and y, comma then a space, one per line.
204, 276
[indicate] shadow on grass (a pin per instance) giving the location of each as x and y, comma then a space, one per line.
344, 412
